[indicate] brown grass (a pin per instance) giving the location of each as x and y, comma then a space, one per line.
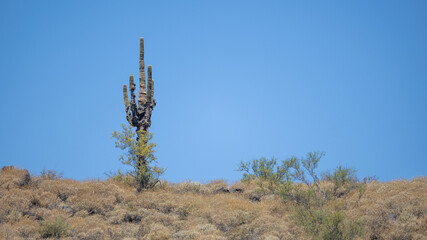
113, 210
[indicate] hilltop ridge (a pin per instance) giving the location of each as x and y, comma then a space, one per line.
36, 207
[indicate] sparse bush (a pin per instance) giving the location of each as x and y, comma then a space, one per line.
184, 211
139, 155
264, 171
55, 228
124, 177
344, 179
326, 225
190, 186
286, 178
18, 177
51, 175
213, 187
296, 180
25, 179
311, 212
185, 235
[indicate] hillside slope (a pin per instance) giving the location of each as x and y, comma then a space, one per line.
40, 207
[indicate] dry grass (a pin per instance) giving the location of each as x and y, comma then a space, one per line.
31, 207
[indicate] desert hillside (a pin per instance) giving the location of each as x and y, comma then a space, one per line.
37, 207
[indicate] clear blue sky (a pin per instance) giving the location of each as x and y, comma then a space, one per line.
234, 80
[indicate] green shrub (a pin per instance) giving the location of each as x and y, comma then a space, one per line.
264, 171
326, 225
56, 228
296, 180
139, 155
288, 178
342, 177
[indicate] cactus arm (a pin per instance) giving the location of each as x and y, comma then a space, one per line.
132, 95
125, 96
142, 89
152, 92
127, 105
149, 84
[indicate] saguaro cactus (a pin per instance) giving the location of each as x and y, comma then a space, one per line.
140, 150
139, 115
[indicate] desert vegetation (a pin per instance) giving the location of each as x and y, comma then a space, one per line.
258, 207
139, 154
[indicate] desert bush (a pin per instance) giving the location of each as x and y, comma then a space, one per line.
228, 220
26, 228
54, 228
139, 155
186, 235
213, 187
341, 176
189, 186
344, 180
91, 234
11, 177
156, 231
207, 229
267, 225
285, 178
311, 211
296, 180
50, 175
217, 186
124, 177
265, 172
324, 224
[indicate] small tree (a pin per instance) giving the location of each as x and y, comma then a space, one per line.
139, 155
